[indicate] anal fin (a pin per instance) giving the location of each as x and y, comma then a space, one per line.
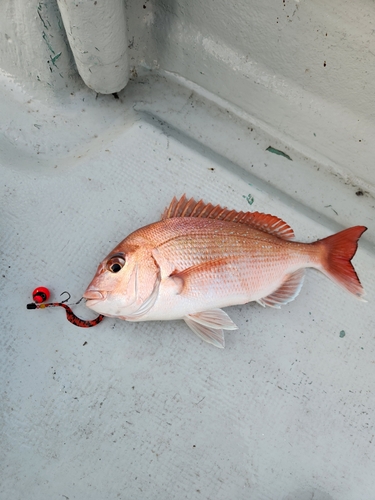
209, 325
287, 292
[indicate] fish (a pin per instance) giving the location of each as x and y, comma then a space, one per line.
200, 258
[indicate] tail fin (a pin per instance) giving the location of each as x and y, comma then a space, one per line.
340, 248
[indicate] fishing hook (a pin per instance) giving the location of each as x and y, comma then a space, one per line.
66, 300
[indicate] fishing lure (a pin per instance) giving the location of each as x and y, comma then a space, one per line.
70, 316
41, 294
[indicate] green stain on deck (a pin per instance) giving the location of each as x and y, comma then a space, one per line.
342, 334
54, 58
249, 198
40, 17
45, 38
278, 152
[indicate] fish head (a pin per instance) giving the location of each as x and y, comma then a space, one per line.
121, 284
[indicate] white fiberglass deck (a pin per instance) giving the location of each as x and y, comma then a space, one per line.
147, 410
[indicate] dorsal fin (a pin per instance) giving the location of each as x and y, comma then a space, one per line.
263, 222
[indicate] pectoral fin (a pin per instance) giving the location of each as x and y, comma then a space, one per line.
209, 325
192, 277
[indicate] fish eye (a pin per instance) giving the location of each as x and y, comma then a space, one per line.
115, 263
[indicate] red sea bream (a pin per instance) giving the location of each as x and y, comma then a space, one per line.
199, 258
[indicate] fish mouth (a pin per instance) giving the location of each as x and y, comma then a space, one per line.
93, 296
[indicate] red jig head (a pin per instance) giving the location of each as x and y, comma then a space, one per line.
70, 316
41, 294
